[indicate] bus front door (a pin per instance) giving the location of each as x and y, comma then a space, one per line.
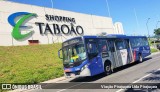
94, 57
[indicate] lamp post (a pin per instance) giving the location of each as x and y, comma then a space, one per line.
108, 8
52, 3
147, 26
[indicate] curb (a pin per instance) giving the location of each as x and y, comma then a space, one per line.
54, 80
155, 53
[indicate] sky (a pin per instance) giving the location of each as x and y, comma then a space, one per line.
133, 14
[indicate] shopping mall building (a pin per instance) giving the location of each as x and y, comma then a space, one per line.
23, 24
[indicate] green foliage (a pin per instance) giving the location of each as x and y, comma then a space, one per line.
30, 64
154, 50
150, 42
157, 33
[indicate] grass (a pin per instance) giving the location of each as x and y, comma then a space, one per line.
30, 64
154, 50
152, 45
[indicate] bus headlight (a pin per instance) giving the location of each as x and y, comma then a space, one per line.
84, 67
85, 71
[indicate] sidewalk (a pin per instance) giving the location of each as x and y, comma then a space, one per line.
54, 80
156, 53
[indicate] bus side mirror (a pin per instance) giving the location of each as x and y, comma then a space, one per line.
60, 54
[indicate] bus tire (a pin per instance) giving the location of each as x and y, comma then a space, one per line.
140, 59
107, 68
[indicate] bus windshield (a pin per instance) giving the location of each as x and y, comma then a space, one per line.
74, 53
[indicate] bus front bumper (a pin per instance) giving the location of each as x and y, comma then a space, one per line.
83, 73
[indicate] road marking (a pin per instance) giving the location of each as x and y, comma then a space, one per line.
70, 87
138, 80
142, 78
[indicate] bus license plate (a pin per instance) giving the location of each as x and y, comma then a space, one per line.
73, 75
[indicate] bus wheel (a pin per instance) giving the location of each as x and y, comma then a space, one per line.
140, 58
107, 69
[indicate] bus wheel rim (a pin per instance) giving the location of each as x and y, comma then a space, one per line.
107, 68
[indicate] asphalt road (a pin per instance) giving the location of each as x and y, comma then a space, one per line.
146, 72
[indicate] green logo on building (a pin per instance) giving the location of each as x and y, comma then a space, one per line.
16, 33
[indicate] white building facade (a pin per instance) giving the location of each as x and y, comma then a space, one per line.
47, 25
118, 28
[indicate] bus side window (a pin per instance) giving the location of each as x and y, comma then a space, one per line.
120, 45
127, 43
145, 42
111, 46
103, 46
92, 50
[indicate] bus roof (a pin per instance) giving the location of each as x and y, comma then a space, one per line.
113, 36
107, 36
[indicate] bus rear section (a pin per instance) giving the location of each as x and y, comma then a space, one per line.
140, 48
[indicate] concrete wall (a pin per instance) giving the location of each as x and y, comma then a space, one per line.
91, 24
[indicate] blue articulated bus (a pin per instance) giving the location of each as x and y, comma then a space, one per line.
92, 55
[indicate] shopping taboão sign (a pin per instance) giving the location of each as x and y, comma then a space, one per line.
55, 25
62, 25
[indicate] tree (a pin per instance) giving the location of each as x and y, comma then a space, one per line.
157, 33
